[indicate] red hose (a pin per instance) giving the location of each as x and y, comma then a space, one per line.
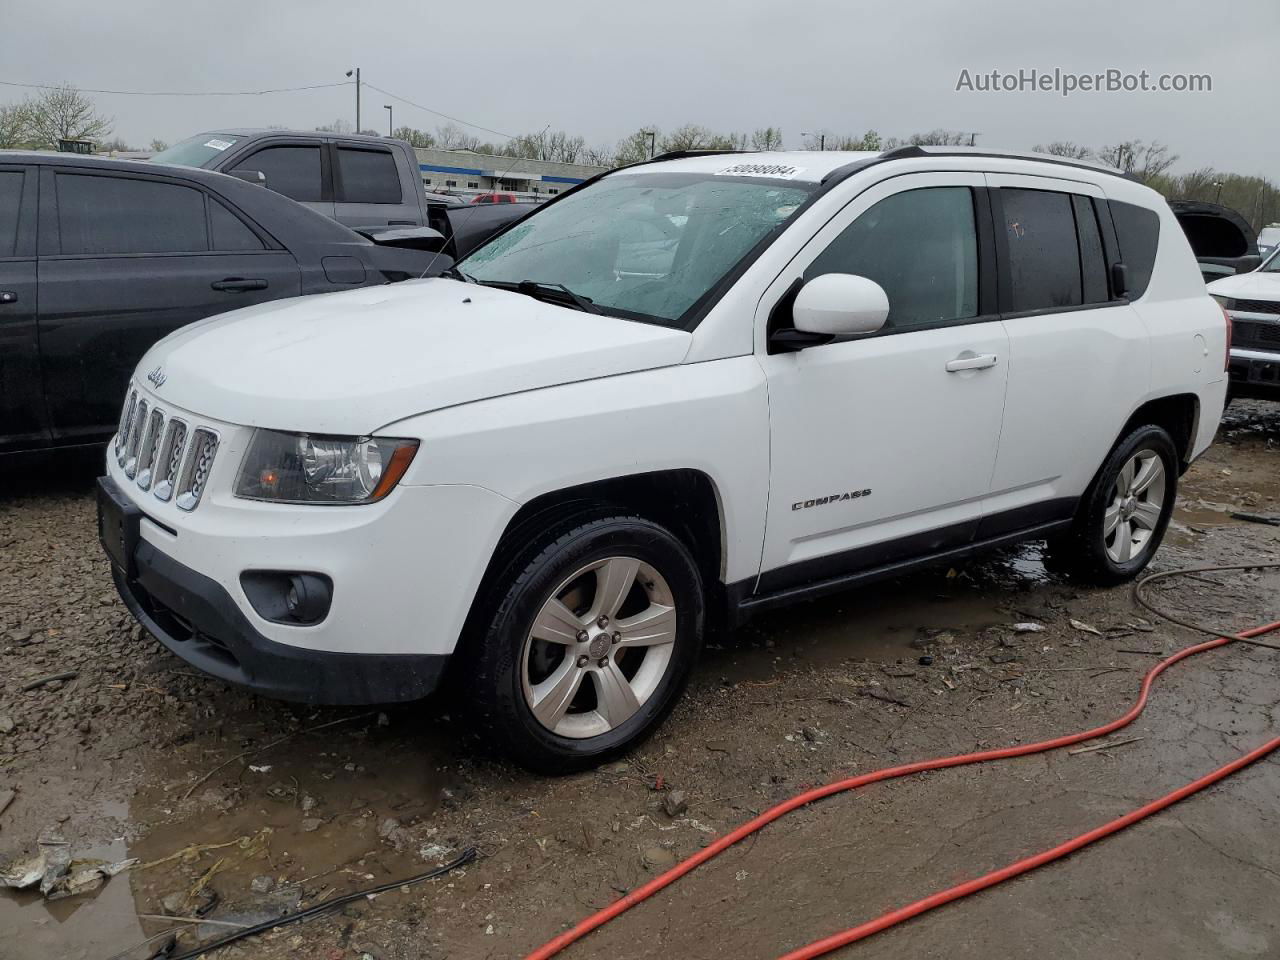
826, 945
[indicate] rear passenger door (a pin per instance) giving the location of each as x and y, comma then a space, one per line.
1078, 358
126, 259
299, 169
22, 410
368, 189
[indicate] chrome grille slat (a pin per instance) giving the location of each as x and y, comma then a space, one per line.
150, 447
195, 472
175, 443
136, 428
126, 424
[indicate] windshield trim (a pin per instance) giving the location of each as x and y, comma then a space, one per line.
696, 312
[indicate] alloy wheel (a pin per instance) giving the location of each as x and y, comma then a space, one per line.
1137, 502
599, 647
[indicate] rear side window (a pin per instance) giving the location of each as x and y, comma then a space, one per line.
113, 215
229, 232
10, 204
921, 246
1044, 260
368, 176
293, 171
1093, 265
1138, 233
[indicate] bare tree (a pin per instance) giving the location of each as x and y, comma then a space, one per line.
635, 147
867, 141
599, 156
1146, 161
64, 113
338, 126
453, 137
157, 145
15, 125
1064, 148
766, 138
933, 138
114, 145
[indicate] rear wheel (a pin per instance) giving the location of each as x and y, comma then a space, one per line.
1123, 516
594, 631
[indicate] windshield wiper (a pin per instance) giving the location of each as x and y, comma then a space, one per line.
453, 273
548, 292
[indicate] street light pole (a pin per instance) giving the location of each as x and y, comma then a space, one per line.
391, 127
822, 139
356, 71
1217, 196
653, 141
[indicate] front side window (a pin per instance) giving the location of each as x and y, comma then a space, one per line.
921, 246
647, 246
368, 176
1044, 260
293, 171
117, 215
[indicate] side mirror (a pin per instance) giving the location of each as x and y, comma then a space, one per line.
249, 176
840, 304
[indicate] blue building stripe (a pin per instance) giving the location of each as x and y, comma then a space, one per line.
434, 168
563, 179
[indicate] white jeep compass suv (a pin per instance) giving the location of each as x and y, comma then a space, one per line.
683, 392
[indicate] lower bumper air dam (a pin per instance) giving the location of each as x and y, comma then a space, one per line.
843, 938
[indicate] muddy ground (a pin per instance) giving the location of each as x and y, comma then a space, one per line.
118, 761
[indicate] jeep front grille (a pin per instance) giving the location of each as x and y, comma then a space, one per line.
1253, 333
163, 454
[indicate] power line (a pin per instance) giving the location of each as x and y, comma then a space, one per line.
176, 93
465, 123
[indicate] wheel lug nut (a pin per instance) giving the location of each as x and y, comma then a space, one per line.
602, 622
604, 661
582, 660
617, 638
583, 636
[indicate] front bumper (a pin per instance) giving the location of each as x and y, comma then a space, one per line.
1254, 373
195, 618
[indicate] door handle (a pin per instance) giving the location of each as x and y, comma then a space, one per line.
8, 296
236, 284
974, 361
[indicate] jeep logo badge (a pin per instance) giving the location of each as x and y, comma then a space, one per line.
157, 377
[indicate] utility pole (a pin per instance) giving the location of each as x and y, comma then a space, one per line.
1217, 197
356, 71
653, 141
822, 139
391, 127
973, 138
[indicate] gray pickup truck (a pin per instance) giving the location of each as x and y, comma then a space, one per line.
363, 182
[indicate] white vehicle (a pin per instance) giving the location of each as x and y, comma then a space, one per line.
551, 474
1252, 301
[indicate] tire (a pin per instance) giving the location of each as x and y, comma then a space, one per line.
580, 561
1093, 551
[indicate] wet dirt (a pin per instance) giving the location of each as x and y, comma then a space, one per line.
795, 698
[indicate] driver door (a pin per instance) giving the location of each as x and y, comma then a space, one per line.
883, 446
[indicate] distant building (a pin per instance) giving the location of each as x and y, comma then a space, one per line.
466, 174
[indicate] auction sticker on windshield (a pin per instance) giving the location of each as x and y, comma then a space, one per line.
783, 171
219, 144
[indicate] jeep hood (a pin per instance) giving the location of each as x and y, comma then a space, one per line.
1248, 286
352, 362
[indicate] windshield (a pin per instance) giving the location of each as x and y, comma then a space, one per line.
646, 246
199, 151
1272, 263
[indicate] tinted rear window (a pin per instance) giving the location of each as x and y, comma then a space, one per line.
368, 176
229, 232
1044, 260
1092, 262
293, 171
10, 202
1138, 233
113, 215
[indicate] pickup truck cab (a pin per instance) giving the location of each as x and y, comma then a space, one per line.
360, 181
548, 474
1252, 300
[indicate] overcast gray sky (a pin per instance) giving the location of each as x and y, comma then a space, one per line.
604, 69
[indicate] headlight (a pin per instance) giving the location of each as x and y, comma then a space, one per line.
301, 468
1225, 302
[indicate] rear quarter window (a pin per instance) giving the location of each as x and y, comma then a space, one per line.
1138, 234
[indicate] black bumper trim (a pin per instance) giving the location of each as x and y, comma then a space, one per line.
196, 619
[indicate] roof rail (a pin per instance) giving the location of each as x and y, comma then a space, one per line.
913, 151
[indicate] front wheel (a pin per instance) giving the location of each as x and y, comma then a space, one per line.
596, 627
1123, 515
